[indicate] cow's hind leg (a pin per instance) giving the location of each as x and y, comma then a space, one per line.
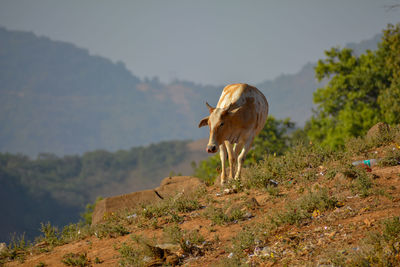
242, 157
237, 149
222, 155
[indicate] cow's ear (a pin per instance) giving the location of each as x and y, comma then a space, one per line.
203, 122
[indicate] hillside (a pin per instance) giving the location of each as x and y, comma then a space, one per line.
323, 211
57, 189
58, 98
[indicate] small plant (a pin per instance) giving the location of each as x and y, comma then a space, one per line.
303, 208
41, 264
98, 261
291, 164
110, 230
189, 241
180, 203
391, 158
361, 181
87, 215
219, 217
378, 249
17, 249
75, 259
128, 256
51, 235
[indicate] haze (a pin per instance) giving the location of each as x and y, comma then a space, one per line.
208, 42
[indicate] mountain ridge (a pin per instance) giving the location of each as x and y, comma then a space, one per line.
58, 98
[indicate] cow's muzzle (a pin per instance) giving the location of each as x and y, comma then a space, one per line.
212, 148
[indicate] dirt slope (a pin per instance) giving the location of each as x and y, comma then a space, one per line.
323, 218
339, 230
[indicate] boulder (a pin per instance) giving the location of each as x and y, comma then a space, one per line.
169, 187
378, 130
172, 186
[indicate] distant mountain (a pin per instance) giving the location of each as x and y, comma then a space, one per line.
57, 98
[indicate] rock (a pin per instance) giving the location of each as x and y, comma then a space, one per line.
3, 247
378, 130
172, 260
229, 191
168, 246
169, 187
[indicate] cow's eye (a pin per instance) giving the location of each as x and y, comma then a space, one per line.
222, 124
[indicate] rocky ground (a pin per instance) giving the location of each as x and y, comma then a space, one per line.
326, 220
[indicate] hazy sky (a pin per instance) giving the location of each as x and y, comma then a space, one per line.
209, 42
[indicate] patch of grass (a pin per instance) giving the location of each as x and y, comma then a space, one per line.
110, 230
358, 146
222, 216
51, 235
391, 158
189, 241
378, 249
244, 241
361, 181
303, 208
75, 259
129, 256
272, 190
179, 203
17, 249
290, 165
97, 260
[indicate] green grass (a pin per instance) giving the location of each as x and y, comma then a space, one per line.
303, 208
76, 259
17, 249
129, 256
189, 241
377, 249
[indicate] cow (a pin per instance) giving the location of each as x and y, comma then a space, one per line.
239, 116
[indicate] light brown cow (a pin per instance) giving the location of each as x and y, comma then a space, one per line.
240, 115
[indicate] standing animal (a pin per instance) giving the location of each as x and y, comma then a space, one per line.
239, 116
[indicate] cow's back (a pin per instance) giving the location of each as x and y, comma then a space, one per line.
245, 95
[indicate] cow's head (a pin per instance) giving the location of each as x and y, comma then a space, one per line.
220, 122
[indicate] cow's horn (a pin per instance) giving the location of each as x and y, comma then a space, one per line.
210, 108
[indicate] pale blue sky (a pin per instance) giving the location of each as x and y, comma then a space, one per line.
208, 42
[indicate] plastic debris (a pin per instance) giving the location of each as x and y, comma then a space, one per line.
131, 216
273, 182
367, 162
229, 191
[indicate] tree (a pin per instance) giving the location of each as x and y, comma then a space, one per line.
360, 91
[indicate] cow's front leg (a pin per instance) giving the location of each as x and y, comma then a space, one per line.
232, 159
222, 155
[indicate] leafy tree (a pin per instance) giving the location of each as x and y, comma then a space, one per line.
362, 90
273, 139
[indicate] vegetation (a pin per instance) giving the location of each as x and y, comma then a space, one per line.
362, 90
72, 259
40, 188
